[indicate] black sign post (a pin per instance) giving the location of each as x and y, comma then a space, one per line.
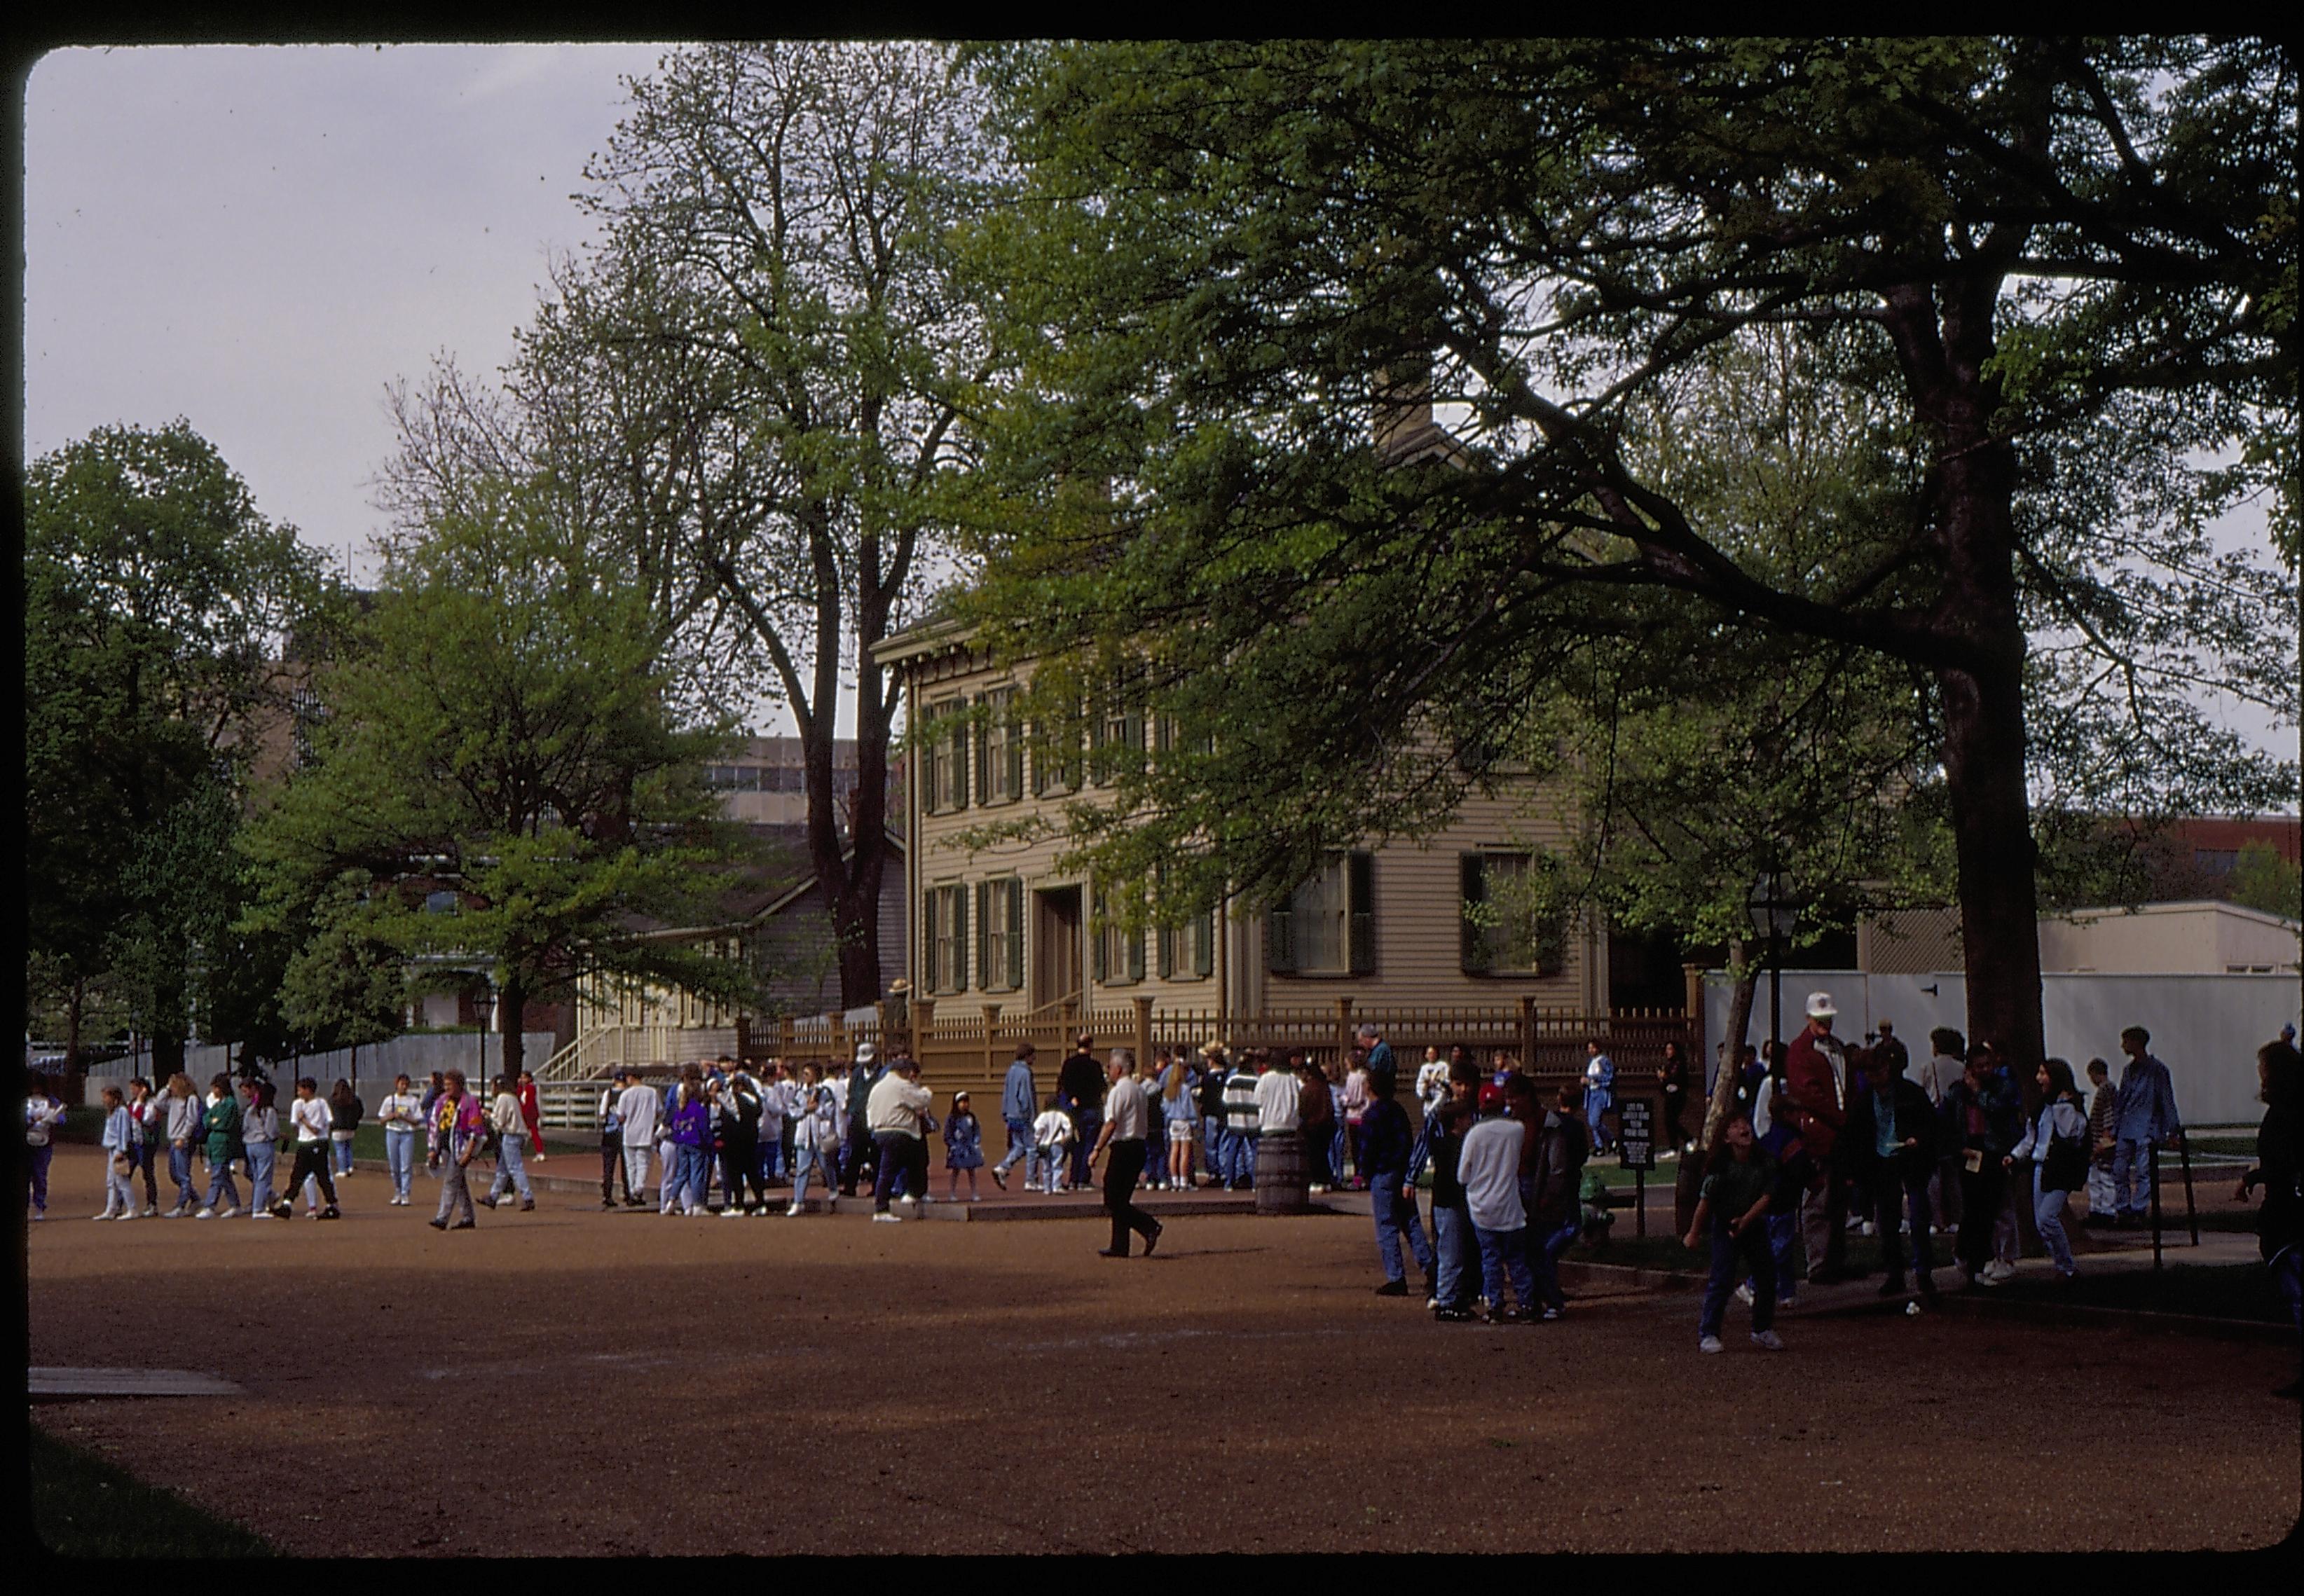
1636, 1150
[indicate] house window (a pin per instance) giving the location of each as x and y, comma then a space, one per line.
947, 758
442, 903
999, 751
1327, 927
1187, 947
2215, 861
1510, 925
1120, 727
1057, 764
1118, 952
945, 933
1000, 936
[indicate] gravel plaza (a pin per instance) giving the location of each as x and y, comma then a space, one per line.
586, 1383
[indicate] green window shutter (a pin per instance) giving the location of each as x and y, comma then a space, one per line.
1164, 951
1362, 903
1096, 940
1136, 954
1015, 896
1204, 945
960, 939
959, 756
1473, 870
1280, 942
983, 789
984, 974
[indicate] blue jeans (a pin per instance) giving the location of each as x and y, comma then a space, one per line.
1505, 1252
694, 1170
180, 1170
511, 1169
343, 1154
1212, 1153
1090, 1121
1451, 1231
1752, 1247
772, 1155
2048, 1215
2131, 1177
39, 1157
2288, 1281
1784, 1230
220, 1186
806, 1163
1394, 1215
1020, 1151
262, 1157
400, 1157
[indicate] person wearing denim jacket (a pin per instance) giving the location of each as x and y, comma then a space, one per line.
1019, 1099
2146, 1116
2060, 1121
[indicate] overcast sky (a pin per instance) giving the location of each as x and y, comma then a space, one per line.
260, 238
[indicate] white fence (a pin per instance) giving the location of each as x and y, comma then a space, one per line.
2205, 1028
478, 1054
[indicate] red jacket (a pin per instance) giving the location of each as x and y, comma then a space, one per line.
1814, 1083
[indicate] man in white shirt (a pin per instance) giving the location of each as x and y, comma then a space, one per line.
1127, 1119
1276, 1100
1490, 1169
893, 1113
640, 1111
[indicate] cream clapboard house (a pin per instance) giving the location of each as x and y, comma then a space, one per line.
1002, 927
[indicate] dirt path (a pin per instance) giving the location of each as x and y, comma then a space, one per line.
571, 1382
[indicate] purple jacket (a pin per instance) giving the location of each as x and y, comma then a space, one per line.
691, 1123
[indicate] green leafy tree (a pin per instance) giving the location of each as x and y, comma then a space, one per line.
2067, 268
755, 390
158, 603
504, 732
2262, 880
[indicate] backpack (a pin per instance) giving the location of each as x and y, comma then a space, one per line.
2064, 1166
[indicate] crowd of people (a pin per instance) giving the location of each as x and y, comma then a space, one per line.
1823, 1141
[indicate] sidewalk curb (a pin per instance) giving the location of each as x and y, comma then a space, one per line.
2087, 1315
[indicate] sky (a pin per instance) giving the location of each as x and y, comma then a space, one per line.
261, 239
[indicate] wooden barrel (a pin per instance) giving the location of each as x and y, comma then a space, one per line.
1280, 1175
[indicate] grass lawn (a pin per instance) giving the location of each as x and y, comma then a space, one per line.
2213, 1291
82, 1507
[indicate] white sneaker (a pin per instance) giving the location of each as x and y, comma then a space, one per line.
225, 1214
105, 1215
1710, 1344
151, 1211
1998, 1270
731, 1212
260, 1214
887, 1218
1744, 1294
1769, 1339
205, 1213
1870, 1229
792, 1211
127, 1216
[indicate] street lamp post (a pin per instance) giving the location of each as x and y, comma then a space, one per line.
1773, 916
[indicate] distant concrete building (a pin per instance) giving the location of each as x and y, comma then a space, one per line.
2204, 937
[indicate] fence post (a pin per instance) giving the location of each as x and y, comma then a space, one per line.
1143, 1033
991, 1036
1527, 1033
923, 1028
839, 1024
1344, 1030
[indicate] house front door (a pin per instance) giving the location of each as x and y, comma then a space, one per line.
1056, 951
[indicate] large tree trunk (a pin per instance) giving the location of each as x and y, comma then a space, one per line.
512, 1001
1991, 829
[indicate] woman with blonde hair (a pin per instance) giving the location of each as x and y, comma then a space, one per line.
1181, 1114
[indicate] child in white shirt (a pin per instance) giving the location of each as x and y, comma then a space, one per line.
1054, 1133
